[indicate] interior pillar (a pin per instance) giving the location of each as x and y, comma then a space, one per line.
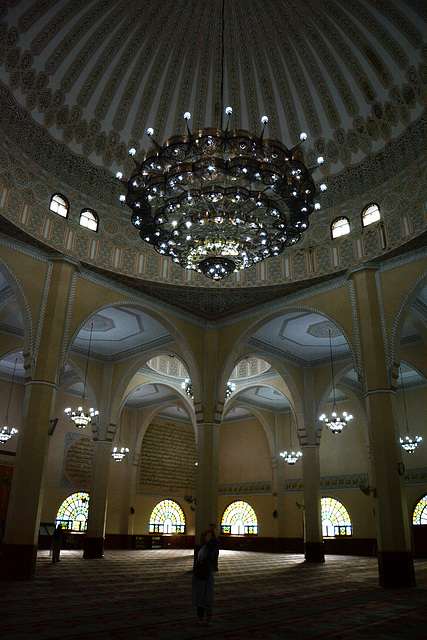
395, 557
207, 478
313, 538
19, 548
95, 532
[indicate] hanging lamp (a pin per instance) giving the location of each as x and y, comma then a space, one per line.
79, 417
188, 388
119, 452
231, 388
219, 200
335, 423
409, 443
290, 456
7, 432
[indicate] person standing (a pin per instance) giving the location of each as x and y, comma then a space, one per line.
202, 586
56, 544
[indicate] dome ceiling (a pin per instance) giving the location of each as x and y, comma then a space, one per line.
96, 74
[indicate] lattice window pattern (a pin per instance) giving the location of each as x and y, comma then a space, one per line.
73, 512
167, 517
335, 519
239, 518
419, 515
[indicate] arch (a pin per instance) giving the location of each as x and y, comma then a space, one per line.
239, 518
73, 512
167, 517
401, 315
340, 227
370, 214
23, 305
419, 514
59, 205
335, 518
89, 219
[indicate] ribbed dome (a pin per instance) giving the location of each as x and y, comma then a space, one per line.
96, 74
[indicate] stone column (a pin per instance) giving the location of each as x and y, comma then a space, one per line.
207, 478
95, 532
395, 558
313, 538
19, 549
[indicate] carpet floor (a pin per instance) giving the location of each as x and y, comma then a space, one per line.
258, 596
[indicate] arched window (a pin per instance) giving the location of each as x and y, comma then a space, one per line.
420, 512
73, 512
370, 214
340, 227
335, 519
167, 517
89, 219
239, 518
59, 205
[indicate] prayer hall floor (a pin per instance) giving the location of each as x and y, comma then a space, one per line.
146, 594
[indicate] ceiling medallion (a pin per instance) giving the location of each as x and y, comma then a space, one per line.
220, 200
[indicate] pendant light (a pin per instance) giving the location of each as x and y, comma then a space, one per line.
335, 423
119, 452
7, 432
79, 417
290, 456
410, 443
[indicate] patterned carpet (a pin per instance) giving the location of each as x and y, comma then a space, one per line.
146, 594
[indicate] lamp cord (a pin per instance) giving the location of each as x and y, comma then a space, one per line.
404, 401
332, 366
10, 392
222, 60
87, 363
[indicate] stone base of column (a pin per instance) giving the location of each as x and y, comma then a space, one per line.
313, 552
396, 569
18, 561
93, 548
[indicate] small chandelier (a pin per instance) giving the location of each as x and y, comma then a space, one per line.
79, 417
231, 387
335, 423
220, 200
290, 456
188, 388
410, 443
7, 432
119, 452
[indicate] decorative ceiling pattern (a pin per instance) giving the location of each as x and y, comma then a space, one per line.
96, 74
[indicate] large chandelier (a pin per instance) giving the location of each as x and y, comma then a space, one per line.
7, 432
410, 442
220, 200
335, 422
79, 417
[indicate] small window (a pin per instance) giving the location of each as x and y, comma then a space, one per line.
59, 205
89, 219
340, 227
370, 214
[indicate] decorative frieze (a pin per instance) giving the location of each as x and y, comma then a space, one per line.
245, 488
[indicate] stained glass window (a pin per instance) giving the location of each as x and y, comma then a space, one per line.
167, 517
370, 214
59, 205
73, 512
89, 219
340, 227
335, 519
420, 512
239, 518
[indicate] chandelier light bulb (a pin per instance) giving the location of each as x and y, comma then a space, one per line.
303, 136
132, 151
291, 457
320, 160
264, 119
323, 187
122, 198
150, 131
119, 454
317, 206
229, 110
187, 115
119, 175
